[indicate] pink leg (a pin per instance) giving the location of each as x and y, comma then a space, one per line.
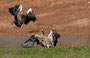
13, 22
22, 26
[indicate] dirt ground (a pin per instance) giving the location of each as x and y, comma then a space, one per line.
67, 17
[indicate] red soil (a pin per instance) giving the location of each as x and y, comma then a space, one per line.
67, 17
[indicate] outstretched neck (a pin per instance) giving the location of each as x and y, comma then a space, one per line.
42, 32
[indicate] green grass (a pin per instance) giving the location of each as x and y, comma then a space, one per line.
57, 52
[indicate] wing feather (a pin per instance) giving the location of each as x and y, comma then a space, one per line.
31, 42
15, 10
30, 16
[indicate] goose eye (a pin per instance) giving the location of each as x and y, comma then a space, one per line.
42, 40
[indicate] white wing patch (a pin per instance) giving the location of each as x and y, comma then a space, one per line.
20, 7
30, 10
37, 36
50, 36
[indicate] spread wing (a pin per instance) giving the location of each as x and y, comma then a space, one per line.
15, 10
31, 42
30, 16
53, 36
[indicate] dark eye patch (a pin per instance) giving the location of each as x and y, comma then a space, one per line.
42, 40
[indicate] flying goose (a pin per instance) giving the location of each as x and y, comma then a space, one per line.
20, 17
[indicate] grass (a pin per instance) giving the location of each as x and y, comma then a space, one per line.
57, 52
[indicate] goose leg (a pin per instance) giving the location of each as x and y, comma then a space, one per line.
13, 22
22, 25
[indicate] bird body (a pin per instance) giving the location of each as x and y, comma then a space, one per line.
42, 40
20, 17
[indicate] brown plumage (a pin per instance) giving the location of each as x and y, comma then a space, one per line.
45, 40
20, 17
31, 42
34, 40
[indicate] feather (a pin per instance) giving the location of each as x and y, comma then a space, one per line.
30, 16
21, 18
31, 42
15, 10
53, 36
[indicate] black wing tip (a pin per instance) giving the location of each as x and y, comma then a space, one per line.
30, 17
13, 10
28, 20
34, 19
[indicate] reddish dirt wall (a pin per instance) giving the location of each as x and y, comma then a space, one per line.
67, 17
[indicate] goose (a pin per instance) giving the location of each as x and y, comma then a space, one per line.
36, 39
20, 17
